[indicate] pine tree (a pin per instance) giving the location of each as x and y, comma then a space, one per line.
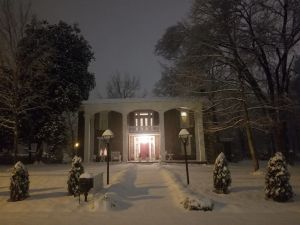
74, 174
277, 179
19, 182
222, 177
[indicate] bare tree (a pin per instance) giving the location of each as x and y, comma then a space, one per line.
36, 85
226, 106
13, 85
254, 38
16, 95
122, 86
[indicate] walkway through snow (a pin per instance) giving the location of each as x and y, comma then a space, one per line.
146, 194
142, 188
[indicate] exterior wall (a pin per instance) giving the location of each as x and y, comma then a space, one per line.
87, 137
115, 124
124, 107
81, 134
174, 122
96, 134
172, 128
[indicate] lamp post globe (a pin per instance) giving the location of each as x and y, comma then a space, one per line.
184, 136
106, 136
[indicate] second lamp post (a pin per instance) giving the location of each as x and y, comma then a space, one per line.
184, 135
106, 136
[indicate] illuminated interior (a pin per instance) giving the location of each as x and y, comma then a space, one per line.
144, 147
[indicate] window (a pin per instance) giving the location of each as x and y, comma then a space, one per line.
144, 114
143, 119
146, 122
141, 122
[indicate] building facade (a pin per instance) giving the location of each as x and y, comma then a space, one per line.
144, 129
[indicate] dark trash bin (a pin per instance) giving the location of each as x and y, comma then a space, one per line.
86, 183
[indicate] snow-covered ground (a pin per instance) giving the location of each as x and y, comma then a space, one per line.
148, 194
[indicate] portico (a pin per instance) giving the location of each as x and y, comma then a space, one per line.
145, 129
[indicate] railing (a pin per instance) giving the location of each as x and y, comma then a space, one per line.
142, 129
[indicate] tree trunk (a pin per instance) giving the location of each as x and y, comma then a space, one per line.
250, 139
271, 149
242, 142
279, 131
249, 130
39, 152
16, 141
279, 137
212, 139
251, 146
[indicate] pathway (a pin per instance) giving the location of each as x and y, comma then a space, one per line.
142, 195
143, 192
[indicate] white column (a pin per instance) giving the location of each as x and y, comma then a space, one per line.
125, 136
162, 134
199, 136
87, 137
92, 137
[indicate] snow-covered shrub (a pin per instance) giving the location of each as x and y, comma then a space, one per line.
197, 204
108, 201
74, 174
221, 176
19, 182
277, 179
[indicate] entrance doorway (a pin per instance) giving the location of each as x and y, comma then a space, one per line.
144, 151
144, 147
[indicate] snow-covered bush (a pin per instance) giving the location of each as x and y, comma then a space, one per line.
108, 201
19, 182
277, 179
74, 174
221, 177
197, 204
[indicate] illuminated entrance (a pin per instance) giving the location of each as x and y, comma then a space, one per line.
144, 136
145, 129
144, 147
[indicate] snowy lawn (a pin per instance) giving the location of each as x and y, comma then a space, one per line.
148, 194
246, 191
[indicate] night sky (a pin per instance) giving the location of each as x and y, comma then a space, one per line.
122, 33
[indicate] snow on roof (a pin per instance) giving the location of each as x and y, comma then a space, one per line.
136, 100
131, 104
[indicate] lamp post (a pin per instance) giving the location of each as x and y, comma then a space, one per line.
106, 136
184, 136
76, 146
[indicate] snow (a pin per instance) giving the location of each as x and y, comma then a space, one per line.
148, 194
277, 179
196, 204
86, 175
221, 175
220, 157
20, 166
76, 160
